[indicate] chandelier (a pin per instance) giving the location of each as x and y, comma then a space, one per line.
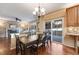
39, 11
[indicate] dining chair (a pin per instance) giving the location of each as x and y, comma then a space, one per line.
18, 46
41, 41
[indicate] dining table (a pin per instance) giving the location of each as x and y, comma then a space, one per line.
28, 41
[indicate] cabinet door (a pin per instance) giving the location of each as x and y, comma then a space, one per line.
78, 16
72, 16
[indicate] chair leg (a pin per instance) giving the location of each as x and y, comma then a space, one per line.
47, 43
44, 44
24, 48
17, 50
50, 41
21, 51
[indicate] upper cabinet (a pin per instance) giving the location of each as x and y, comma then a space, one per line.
78, 15
72, 14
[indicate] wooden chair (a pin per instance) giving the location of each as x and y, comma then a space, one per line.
41, 41
17, 44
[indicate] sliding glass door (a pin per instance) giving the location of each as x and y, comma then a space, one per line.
48, 28
55, 28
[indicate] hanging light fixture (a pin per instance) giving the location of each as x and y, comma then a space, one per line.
38, 12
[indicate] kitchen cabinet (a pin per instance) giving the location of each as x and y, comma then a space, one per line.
78, 15
72, 20
71, 14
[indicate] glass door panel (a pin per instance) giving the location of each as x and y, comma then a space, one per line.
57, 30
48, 28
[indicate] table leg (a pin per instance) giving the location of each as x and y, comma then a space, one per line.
37, 49
76, 47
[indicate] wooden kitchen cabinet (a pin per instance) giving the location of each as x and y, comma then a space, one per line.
71, 16
78, 15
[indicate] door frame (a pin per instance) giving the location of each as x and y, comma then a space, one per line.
52, 25
62, 29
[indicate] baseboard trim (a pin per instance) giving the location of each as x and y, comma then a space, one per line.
69, 46
13, 48
65, 45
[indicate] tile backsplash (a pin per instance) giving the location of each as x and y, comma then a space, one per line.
74, 30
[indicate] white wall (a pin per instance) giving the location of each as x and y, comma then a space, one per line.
13, 41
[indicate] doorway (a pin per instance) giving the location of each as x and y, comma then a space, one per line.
55, 27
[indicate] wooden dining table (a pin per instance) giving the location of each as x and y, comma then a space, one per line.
28, 41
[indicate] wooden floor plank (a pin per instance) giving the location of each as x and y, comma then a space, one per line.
52, 49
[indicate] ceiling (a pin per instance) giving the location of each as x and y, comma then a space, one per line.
24, 11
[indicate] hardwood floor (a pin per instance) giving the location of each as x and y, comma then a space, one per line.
55, 49
52, 49
4, 47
